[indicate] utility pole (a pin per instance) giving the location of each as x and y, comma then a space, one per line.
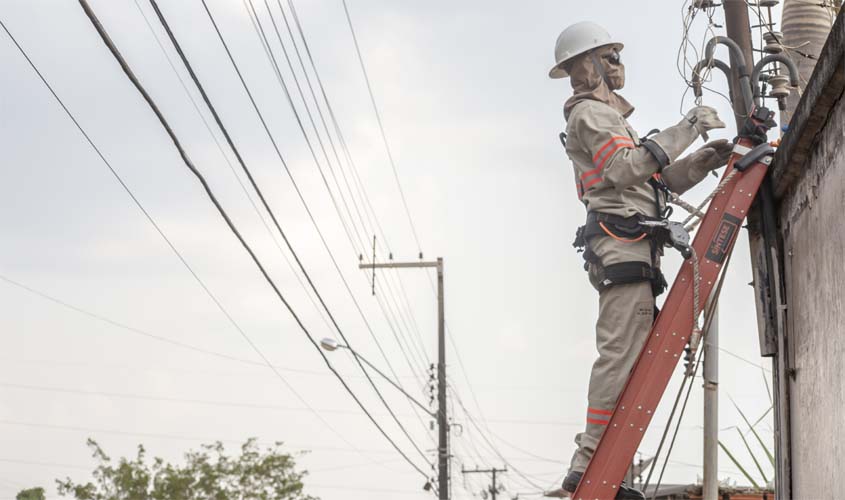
494, 488
711, 410
442, 419
738, 29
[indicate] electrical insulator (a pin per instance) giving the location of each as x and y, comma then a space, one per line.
780, 86
768, 3
773, 41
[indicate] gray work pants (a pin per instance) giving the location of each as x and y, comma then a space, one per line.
626, 313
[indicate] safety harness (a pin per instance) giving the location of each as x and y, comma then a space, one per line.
658, 231
626, 230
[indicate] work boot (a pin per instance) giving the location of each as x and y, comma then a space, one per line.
570, 484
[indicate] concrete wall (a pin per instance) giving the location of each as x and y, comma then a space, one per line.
813, 229
809, 180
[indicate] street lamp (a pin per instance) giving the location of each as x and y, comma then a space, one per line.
331, 345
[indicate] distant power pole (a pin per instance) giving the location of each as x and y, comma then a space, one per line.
494, 487
442, 420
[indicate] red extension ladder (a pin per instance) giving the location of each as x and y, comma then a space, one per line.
665, 345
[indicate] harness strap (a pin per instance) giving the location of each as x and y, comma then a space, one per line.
657, 152
625, 273
629, 230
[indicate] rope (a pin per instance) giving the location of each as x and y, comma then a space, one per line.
695, 212
696, 301
676, 199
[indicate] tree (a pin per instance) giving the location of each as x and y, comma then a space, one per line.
31, 494
208, 474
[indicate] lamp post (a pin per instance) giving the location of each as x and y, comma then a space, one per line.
331, 345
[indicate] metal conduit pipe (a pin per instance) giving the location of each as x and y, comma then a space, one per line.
742, 67
762, 63
732, 46
700, 66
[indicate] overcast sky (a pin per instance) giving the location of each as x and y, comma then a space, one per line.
472, 121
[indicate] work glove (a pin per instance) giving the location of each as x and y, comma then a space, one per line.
685, 173
704, 119
676, 139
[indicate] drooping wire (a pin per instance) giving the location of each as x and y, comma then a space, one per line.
369, 211
161, 233
323, 90
306, 207
683, 63
493, 447
259, 28
147, 334
292, 179
257, 212
201, 179
396, 321
312, 122
271, 213
316, 104
138, 331
370, 214
380, 124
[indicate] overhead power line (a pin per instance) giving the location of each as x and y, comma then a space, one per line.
152, 221
128, 328
265, 42
369, 211
319, 110
391, 317
271, 213
188, 163
381, 125
385, 305
534, 482
152, 336
293, 180
173, 248
255, 209
259, 29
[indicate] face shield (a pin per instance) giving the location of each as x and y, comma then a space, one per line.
607, 60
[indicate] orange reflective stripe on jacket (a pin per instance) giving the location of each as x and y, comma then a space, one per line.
618, 142
605, 153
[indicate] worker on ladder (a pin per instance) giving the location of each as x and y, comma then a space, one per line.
624, 182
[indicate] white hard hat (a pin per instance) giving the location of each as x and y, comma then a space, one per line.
575, 40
